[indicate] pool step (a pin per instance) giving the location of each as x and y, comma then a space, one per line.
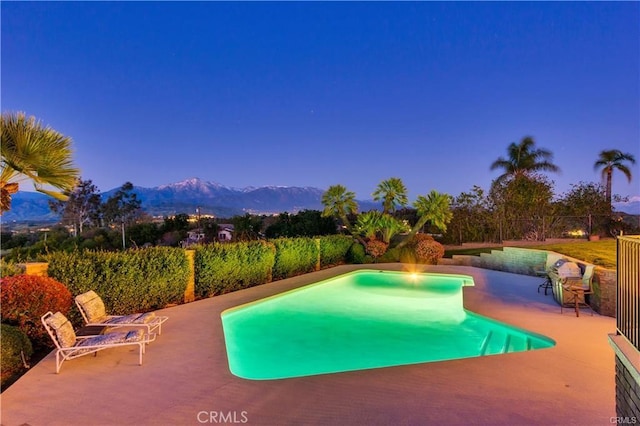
500, 343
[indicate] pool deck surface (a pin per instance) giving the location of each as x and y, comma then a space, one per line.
185, 378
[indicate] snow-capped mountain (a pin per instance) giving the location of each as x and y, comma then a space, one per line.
185, 196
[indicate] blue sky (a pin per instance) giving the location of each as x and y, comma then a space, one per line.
316, 94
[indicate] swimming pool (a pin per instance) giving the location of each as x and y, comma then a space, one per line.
361, 320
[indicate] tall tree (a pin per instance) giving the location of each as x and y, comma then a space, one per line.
612, 159
435, 209
339, 202
122, 207
81, 208
520, 204
30, 151
392, 192
524, 159
247, 227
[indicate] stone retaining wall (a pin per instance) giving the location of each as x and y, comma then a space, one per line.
526, 261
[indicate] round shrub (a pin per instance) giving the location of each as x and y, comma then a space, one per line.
356, 254
376, 248
429, 251
14, 344
25, 298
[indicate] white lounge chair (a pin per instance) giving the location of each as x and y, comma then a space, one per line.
93, 312
69, 346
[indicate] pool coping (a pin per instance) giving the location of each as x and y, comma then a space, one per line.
185, 377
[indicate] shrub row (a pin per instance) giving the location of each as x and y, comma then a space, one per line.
130, 281
333, 249
295, 256
221, 268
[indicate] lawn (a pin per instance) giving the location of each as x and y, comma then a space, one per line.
601, 253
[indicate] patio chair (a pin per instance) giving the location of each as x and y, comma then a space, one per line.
577, 289
93, 312
541, 271
70, 346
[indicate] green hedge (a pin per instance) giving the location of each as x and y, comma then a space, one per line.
295, 256
224, 267
333, 249
135, 280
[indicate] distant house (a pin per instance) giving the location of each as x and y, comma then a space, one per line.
194, 236
225, 232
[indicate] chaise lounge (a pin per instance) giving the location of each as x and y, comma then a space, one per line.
94, 313
70, 346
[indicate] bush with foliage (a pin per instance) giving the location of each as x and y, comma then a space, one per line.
333, 249
407, 254
135, 280
15, 350
222, 268
9, 269
294, 256
392, 255
356, 253
376, 248
429, 251
25, 298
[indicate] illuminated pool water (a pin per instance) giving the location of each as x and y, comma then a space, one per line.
361, 320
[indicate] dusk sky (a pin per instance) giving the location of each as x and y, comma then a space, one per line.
316, 94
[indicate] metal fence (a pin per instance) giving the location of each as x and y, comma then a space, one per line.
628, 289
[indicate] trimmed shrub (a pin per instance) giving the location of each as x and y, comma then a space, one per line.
14, 344
222, 268
136, 280
429, 251
25, 298
390, 256
356, 253
376, 248
334, 248
294, 256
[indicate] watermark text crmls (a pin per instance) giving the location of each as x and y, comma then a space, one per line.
223, 417
624, 420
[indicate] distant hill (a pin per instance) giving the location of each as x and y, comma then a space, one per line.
184, 197
630, 207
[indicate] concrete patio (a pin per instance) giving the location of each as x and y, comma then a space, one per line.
185, 378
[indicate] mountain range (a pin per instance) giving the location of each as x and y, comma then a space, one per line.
212, 199
185, 197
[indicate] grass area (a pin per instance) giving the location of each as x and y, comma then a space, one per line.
601, 253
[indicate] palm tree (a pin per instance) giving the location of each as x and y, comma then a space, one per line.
391, 191
368, 224
390, 227
339, 202
434, 208
610, 160
523, 159
33, 152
